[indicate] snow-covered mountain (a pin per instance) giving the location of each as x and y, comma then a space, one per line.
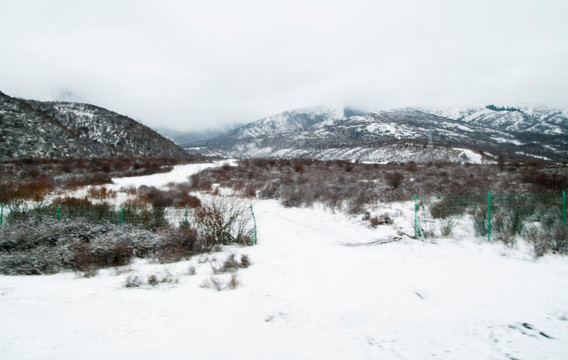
404, 134
59, 129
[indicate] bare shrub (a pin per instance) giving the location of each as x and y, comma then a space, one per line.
245, 261
100, 193
72, 201
383, 219
223, 221
191, 271
212, 283
560, 239
411, 166
154, 196
130, 190
178, 244
133, 281
231, 264
178, 197
543, 240
90, 256
298, 167
544, 179
447, 226
480, 221
220, 284
157, 279
233, 282
448, 206
394, 179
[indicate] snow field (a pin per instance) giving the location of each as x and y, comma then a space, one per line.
317, 289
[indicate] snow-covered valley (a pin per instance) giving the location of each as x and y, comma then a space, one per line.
322, 285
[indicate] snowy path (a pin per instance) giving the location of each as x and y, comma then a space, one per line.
306, 296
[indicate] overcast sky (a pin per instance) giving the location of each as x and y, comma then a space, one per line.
191, 65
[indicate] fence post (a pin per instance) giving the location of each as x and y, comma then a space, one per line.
186, 222
58, 216
254, 233
121, 215
415, 217
488, 216
1, 213
563, 208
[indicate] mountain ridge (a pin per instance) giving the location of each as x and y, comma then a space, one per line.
36, 129
400, 134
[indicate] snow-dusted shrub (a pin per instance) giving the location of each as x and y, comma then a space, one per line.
544, 240
133, 281
163, 278
447, 226
223, 221
178, 196
233, 282
38, 261
178, 244
290, 197
91, 256
221, 283
383, 219
480, 221
44, 247
231, 264
448, 206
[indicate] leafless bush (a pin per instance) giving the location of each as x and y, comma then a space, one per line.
223, 221
178, 244
480, 221
105, 253
231, 264
32, 179
220, 284
394, 179
212, 282
234, 282
164, 278
383, 219
178, 196
554, 240
101, 193
191, 271
447, 226
133, 281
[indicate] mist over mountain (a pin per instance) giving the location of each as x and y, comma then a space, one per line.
458, 134
187, 137
35, 129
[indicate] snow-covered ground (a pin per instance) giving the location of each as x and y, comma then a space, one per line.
321, 286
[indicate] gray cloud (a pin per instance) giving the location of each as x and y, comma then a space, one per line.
196, 64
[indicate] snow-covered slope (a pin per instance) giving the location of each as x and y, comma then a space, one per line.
535, 119
403, 134
288, 121
56, 130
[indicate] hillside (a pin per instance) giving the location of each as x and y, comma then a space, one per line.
418, 134
55, 130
